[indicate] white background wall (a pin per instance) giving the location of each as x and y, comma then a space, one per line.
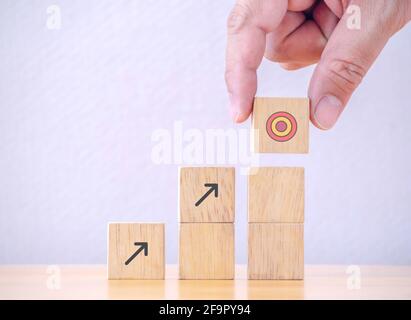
78, 107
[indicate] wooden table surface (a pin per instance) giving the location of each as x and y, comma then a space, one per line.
90, 282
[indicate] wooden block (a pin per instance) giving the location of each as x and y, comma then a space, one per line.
276, 251
206, 251
136, 251
280, 125
276, 194
207, 194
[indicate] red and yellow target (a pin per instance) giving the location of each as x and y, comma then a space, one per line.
281, 126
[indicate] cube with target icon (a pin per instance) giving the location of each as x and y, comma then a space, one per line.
280, 125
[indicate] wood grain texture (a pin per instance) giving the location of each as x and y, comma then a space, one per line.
121, 245
212, 209
276, 251
90, 282
276, 194
264, 108
206, 251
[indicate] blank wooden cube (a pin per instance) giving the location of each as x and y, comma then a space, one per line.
276, 251
276, 194
206, 251
280, 125
207, 194
136, 251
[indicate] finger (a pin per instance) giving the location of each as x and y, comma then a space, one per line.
304, 44
325, 19
291, 22
248, 24
291, 66
345, 61
337, 6
300, 5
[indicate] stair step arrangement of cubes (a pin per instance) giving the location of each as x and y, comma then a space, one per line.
206, 212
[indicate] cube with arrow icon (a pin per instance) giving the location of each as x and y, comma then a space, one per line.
207, 194
136, 251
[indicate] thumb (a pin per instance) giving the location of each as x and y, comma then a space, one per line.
347, 57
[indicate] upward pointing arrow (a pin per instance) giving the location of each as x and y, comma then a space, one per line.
143, 246
213, 187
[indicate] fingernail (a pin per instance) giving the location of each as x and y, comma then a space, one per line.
327, 111
238, 118
235, 115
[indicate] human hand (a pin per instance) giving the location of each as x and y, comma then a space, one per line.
298, 33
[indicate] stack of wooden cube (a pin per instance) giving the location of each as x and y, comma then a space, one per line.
206, 207
276, 223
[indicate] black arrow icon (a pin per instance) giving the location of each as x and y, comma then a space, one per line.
143, 246
213, 187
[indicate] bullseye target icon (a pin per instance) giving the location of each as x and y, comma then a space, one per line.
281, 126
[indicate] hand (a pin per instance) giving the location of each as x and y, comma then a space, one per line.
298, 33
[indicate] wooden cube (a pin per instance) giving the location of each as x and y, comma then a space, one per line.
276, 194
206, 251
207, 194
280, 125
276, 251
136, 251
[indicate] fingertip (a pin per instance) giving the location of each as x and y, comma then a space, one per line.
316, 124
237, 115
241, 117
326, 113
291, 66
240, 106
